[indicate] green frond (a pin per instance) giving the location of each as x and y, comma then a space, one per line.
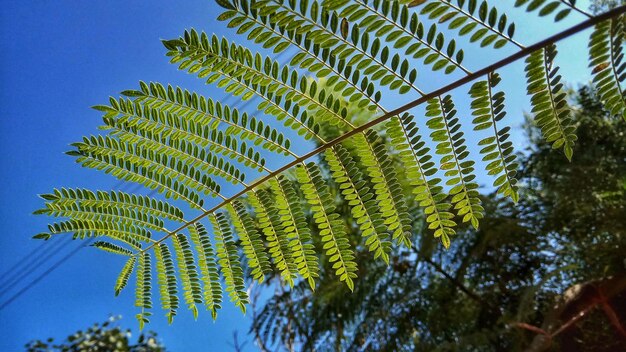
452, 148
560, 8
185, 152
323, 28
124, 276
112, 248
127, 171
295, 228
166, 277
173, 169
389, 196
78, 211
143, 288
128, 234
606, 58
251, 241
86, 199
353, 86
270, 224
483, 23
419, 169
134, 123
229, 65
188, 273
212, 292
488, 109
330, 225
229, 261
206, 112
396, 25
549, 100
359, 197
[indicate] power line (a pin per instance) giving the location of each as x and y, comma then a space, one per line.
39, 258
35, 261
46, 273
19, 262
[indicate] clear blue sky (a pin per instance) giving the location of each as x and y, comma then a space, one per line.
57, 59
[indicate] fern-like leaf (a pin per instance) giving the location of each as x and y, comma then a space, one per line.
128, 234
133, 172
86, 199
143, 289
124, 276
134, 123
295, 228
166, 277
606, 58
331, 227
212, 291
208, 113
269, 223
188, 273
560, 8
322, 62
112, 248
549, 100
419, 169
497, 151
485, 23
402, 29
251, 241
451, 146
357, 193
241, 72
323, 27
229, 261
381, 171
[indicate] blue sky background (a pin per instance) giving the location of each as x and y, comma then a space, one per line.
58, 58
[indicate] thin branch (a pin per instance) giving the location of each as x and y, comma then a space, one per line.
575, 8
458, 83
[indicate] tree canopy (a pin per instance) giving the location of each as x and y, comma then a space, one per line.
101, 337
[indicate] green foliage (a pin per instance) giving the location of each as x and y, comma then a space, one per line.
188, 273
419, 169
124, 276
606, 58
561, 8
189, 147
100, 337
446, 133
331, 228
251, 241
276, 241
295, 229
482, 21
567, 230
167, 280
549, 100
212, 291
355, 191
143, 288
229, 261
488, 110
374, 158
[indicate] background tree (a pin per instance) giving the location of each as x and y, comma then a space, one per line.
528, 270
104, 337
598, 6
